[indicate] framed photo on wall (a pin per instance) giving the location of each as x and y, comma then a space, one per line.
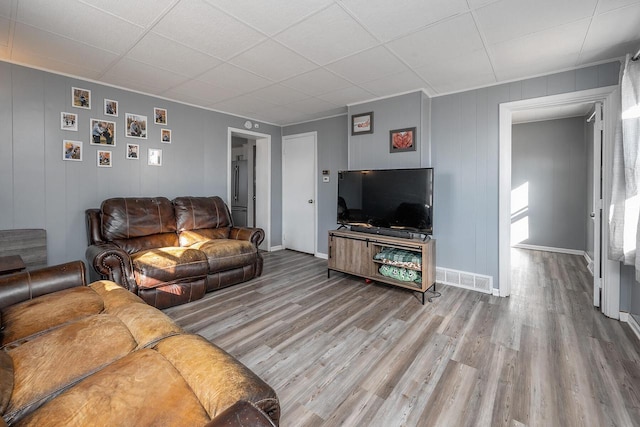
160, 116
72, 150
155, 157
103, 132
166, 136
104, 159
81, 98
133, 152
136, 126
402, 140
362, 123
110, 107
69, 121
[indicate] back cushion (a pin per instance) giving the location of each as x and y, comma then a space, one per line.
195, 213
126, 218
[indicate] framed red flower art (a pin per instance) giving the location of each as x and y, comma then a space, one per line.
402, 140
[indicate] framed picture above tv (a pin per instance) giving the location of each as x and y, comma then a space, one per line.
402, 140
362, 123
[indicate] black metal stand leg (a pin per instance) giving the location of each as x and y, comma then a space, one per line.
328, 274
435, 293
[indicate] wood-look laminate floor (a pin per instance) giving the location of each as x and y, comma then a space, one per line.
340, 352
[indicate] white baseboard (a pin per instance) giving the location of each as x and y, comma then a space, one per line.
276, 248
635, 327
549, 249
496, 292
321, 255
589, 262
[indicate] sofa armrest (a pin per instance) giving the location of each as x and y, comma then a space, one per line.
241, 414
254, 235
25, 285
112, 263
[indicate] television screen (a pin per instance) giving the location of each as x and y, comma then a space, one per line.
388, 198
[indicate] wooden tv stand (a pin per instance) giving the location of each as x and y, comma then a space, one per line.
352, 252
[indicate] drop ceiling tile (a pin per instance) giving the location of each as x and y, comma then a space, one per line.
161, 52
270, 16
80, 22
509, 19
29, 41
625, 21
447, 39
5, 9
368, 65
134, 75
202, 27
241, 105
347, 96
327, 36
5, 26
388, 20
543, 52
278, 115
207, 92
474, 4
144, 12
468, 71
187, 99
312, 106
607, 5
316, 82
232, 77
273, 61
607, 53
53, 64
397, 83
279, 94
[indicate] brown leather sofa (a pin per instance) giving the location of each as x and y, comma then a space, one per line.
72, 354
171, 252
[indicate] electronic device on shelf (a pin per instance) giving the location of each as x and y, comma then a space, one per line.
390, 202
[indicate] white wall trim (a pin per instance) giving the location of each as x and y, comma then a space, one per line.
276, 248
549, 249
589, 261
611, 274
322, 256
380, 98
633, 324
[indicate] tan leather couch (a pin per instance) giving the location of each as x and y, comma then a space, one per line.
171, 252
77, 355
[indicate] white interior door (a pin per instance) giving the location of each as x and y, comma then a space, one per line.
596, 208
299, 192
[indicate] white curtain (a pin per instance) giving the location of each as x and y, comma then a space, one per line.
625, 214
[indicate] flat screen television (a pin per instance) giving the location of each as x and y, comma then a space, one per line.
391, 199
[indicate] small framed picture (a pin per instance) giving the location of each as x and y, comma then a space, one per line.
362, 123
160, 116
69, 121
110, 107
402, 140
133, 151
104, 159
155, 157
81, 98
72, 150
166, 136
103, 132
136, 126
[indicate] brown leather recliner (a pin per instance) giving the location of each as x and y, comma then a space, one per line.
171, 252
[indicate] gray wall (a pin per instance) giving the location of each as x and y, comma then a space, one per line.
40, 190
550, 157
332, 156
464, 149
371, 151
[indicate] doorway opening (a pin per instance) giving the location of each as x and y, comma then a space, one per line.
249, 180
610, 269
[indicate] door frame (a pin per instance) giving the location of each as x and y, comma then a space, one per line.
314, 134
610, 304
263, 160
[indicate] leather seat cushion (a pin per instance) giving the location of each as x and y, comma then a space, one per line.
226, 254
40, 314
157, 267
141, 389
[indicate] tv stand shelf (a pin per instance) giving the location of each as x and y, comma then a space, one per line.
353, 253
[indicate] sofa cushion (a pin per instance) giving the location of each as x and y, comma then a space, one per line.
6, 380
194, 213
142, 389
225, 254
126, 218
40, 314
157, 267
49, 363
191, 237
